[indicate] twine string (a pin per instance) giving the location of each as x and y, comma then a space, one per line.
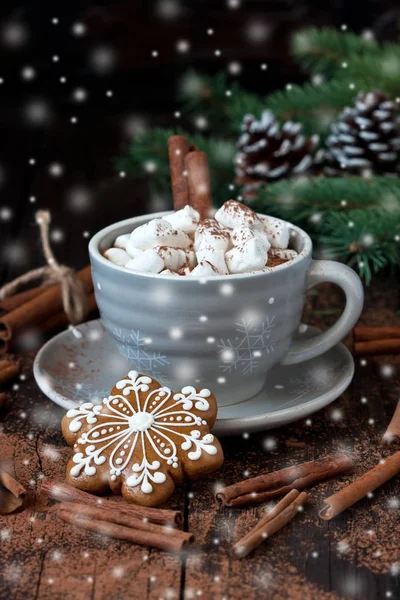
73, 294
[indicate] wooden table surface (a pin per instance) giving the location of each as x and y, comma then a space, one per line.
356, 555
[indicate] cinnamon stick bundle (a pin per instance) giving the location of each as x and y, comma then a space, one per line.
369, 482
364, 334
3, 399
37, 310
112, 515
66, 493
198, 177
61, 320
178, 147
13, 302
9, 370
272, 522
265, 487
120, 532
392, 433
375, 347
12, 494
58, 321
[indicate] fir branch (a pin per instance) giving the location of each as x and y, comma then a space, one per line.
310, 199
367, 240
314, 106
356, 220
375, 72
324, 50
243, 103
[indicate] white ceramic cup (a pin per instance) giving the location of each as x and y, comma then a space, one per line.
224, 333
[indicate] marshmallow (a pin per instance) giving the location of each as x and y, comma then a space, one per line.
159, 232
131, 250
234, 214
117, 256
210, 233
122, 241
185, 219
147, 262
185, 271
204, 269
191, 258
277, 232
206, 224
168, 272
284, 254
214, 255
250, 256
236, 241
175, 258
243, 234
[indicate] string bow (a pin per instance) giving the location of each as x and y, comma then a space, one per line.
74, 297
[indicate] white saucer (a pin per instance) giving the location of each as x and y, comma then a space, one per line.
82, 364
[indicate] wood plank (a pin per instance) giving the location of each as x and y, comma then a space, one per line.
310, 558
43, 557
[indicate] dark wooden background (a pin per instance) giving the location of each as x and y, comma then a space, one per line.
355, 556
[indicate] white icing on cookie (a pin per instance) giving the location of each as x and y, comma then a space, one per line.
86, 411
136, 424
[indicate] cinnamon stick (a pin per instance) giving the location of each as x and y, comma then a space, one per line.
61, 320
12, 494
66, 493
3, 399
268, 486
13, 302
375, 347
112, 515
9, 370
178, 147
198, 176
54, 323
352, 493
135, 536
37, 310
280, 516
242, 548
363, 334
392, 433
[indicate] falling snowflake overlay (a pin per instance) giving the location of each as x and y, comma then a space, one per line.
134, 347
134, 424
244, 351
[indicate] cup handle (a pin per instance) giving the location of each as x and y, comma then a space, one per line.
334, 272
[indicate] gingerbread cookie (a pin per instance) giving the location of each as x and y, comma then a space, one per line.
142, 440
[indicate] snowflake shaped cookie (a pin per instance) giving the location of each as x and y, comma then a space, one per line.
142, 440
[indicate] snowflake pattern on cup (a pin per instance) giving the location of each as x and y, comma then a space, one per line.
243, 352
142, 436
135, 347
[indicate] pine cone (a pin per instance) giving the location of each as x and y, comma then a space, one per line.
268, 151
365, 137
